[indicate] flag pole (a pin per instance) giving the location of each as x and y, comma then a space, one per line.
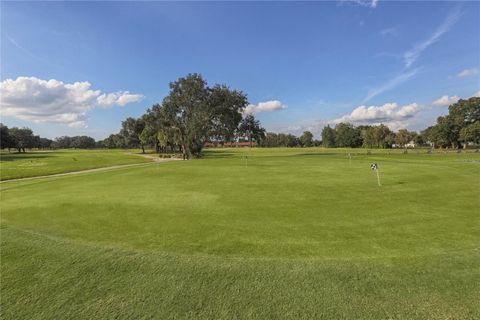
374, 167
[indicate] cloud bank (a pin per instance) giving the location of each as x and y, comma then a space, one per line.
53, 101
390, 114
266, 106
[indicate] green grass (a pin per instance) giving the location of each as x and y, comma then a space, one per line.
40, 163
293, 234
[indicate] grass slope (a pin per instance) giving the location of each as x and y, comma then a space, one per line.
288, 236
40, 163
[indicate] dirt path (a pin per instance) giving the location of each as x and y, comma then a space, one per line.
154, 160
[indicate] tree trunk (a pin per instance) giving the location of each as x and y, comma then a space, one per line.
184, 154
143, 149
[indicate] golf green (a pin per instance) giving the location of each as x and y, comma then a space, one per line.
258, 234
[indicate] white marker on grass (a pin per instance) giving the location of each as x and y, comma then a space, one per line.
374, 167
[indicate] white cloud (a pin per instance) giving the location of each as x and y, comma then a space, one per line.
266, 106
468, 73
390, 114
37, 100
477, 94
120, 98
366, 3
413, 54
390, 84
445, 101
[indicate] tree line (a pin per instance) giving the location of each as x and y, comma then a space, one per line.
194, 113
21, 139
459, 128
368, 136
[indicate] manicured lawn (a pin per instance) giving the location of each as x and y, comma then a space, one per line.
39, 163
292, 234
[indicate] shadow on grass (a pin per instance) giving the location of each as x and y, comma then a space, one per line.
318, 154
219, 154
23, 156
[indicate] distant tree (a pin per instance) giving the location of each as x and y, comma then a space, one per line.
148, 136
449, 130
470, 133
390, 140
227, 107
328, 137
381, 132
460, 115
131, 130
45, 143
306, 139
82, 142
119, 141
7, 140
368, 136
270, 140
403, 137
292, 141
22, 138
109, 142
63, 142
346, 135
250, 129
188, 111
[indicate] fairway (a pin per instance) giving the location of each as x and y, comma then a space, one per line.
41, 163
248, 234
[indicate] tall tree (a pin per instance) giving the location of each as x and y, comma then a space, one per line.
187, 110
306, 139
470, 133
250, 129
328, 137
403, 137
228, 106
131, 130
346, 135
22, 137
82, 142
7, 141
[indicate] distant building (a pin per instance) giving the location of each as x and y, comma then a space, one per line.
411, 144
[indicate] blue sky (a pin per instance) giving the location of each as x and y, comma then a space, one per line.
309, 63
